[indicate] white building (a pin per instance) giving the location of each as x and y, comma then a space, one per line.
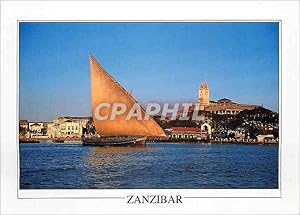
67, 127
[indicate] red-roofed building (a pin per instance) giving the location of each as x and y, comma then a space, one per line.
185, 129
188, 133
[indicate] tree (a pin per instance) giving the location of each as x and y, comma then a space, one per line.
22, 131
90, 127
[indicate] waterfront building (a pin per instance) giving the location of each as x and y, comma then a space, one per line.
70, 128
207, 128
264, 138
83, 120
185, 133
222, 106
53, 130
67, 127
37, 129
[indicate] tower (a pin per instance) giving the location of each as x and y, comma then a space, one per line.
203, 95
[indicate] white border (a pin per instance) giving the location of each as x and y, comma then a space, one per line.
288, 12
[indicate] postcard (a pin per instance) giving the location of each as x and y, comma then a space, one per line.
120, 114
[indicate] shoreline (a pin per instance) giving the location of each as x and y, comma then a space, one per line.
215, 142
193, 141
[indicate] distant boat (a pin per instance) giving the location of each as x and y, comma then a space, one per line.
120, 131
28, 140
58, 140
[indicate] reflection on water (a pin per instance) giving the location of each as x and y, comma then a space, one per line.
112, 150
106, 163
159, 165
113, 155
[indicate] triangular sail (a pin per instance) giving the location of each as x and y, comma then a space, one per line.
104, 89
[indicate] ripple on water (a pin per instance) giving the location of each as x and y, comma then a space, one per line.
159, 165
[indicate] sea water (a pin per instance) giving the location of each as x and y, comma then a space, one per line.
158, 165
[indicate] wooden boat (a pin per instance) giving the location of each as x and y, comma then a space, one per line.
28, 140
58, 140
120, 131
114, 141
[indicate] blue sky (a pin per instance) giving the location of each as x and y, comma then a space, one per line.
163, 62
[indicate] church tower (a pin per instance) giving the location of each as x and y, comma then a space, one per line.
203, 96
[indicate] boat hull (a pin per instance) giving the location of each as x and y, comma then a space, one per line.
113, 141
58, 140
